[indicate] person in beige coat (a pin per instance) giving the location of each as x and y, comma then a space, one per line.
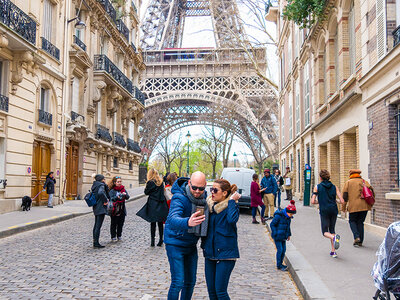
356, 205
288, 183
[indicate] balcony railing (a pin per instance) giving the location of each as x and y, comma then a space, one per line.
134, 47
134, 146
123, 29
119, 140
103, 133
109, 9
396, 36
3, 103
45, 117
103, 63
14, 18
75, 116
139, 95
79, 43
50, 48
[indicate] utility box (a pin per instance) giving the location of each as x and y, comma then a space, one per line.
307, 185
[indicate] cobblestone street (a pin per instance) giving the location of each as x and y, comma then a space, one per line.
58, 262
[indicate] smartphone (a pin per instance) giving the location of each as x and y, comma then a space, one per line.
200, 209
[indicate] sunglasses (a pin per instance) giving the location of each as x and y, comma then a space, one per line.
214, 190
117, 177
200, 188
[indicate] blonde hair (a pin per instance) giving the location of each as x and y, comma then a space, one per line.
153, 175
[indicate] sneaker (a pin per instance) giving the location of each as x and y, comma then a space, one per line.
283, 268
119, 239
357, 242
50, 206
98, 246
114, 240
336, 240
333, 254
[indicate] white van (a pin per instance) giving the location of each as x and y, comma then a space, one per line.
242, 177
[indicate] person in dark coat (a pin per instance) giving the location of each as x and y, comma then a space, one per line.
155, 210
100, 189
256, 199
270, 187
220, 247
280, 232
49, 187
328, 210
119, 195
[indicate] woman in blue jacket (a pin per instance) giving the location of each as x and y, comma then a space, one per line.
220, 247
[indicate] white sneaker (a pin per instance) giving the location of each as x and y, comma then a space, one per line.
119, 239
114, 240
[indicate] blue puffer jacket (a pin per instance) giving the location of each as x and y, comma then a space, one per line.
269, 183
280, 226
176, 226
221, 241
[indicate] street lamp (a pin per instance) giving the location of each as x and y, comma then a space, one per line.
187, 166
234, 159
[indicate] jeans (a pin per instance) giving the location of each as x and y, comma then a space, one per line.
289, 194
183, 267
356, 220
278, 195
280, 252
217, 274
98, 222
117, 222
254, 211
50, 200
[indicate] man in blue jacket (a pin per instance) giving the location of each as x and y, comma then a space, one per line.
270, 187
186, 223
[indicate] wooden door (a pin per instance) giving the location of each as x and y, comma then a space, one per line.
72, 153
41, 159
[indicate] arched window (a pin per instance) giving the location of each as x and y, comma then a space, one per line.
44, 99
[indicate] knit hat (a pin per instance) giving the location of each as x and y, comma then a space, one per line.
354, 171
267, 170
291, 208
99, 177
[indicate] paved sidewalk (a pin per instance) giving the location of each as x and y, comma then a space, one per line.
39, 216
348, 275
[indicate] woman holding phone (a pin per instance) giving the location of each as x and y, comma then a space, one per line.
220, 247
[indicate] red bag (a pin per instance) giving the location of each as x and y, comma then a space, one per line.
367, 195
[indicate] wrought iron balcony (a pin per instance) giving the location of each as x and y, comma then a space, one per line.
45, 117
123, 29
14, 18
109, 9
139, 95
79, 43
134, 146
396, 36
75, 116
50, 48
103, 63
119, 140
103, 133
3, 103
134, 47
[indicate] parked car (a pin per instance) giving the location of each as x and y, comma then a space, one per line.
242, 177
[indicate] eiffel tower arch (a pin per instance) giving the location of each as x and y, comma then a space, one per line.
204, 86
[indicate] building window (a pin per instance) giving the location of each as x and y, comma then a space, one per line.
80, 33
3, 77
75, 94
2, 161
296, 42
104, 46
99, 112
290, 115
306, 89
336, 62
44, 99
291, 162
290, 53
352, 40
132, 130
326, 63
47, 20
283, 124
115, 162
130, 165
283, 71
297, 107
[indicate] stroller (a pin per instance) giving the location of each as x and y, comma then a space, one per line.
386, 271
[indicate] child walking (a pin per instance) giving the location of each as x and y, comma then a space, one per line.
280, 232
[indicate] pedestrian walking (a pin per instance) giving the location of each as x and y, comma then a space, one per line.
280, 232
100, 190
187, 222
118, 196
326, 193
155, 210
356, 205
220, 247
288, 183
170, 180
279, 182
255, 200
49, 187
268, 184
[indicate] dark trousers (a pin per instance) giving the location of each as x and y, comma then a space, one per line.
160, 229
254, 211
280, 252
183, 267
356, 220
217, 274
117, 223
289, 194
98, 222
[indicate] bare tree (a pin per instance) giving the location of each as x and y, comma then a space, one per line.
169, 150
180, 159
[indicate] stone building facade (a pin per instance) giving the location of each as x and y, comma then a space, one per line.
69, 101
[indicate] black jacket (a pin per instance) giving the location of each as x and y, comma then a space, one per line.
156, 208
102, 196
49, 185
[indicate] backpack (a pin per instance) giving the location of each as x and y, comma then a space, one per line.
90, 199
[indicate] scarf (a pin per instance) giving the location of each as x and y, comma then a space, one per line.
217, 207
199, 230
355, 175
120, 189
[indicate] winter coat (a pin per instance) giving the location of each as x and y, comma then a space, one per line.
222, 239
288, 175
176, 226
49, 185
269, 183
156, 209
113, 196
280, 226
255, 195
352, 192
100, 189
326, 192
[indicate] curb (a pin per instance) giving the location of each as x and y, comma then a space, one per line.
46, 222
307, 280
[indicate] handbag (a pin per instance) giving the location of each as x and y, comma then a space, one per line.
367, 195
287, 181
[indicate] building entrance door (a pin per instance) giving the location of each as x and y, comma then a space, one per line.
41, 159
72, 170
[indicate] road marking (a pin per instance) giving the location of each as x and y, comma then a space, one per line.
146, 296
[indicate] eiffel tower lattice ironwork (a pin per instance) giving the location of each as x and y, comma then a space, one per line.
204, 85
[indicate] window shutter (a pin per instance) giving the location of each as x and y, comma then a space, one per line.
47, 19
291, 115
131, 130
381, 28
